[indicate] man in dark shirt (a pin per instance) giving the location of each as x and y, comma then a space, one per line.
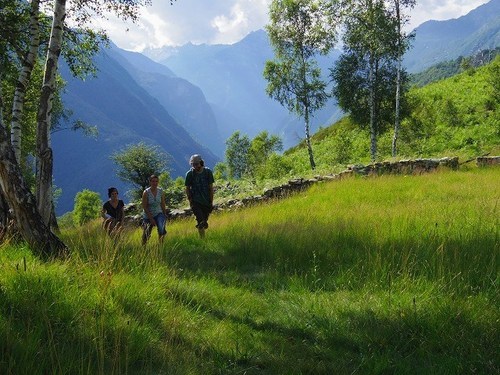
200, 191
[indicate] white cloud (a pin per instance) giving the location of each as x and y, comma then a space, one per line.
229, 26
243, 17
228, 21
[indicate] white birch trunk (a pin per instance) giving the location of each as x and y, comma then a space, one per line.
44, 151
19, 198
4, 208
308, 139
23, 80
398, 84
373, 119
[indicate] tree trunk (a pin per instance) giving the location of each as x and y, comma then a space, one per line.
398, 84
23, 80
308, 139
44, 151
28, 220
19, 198
4, 215
373, 130
4, 207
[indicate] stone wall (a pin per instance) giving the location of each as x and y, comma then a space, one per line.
484, 161
402, 167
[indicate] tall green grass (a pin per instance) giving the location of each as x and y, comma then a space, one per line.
363, 275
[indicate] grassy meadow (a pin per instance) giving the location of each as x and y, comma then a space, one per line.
386, 275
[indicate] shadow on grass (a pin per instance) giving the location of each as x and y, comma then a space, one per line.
341, 261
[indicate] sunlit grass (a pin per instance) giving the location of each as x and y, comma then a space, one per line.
364, 275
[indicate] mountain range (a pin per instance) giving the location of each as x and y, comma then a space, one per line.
190, 99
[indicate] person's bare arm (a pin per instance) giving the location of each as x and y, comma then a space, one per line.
188, 195
121, 215
163, 204
211, 193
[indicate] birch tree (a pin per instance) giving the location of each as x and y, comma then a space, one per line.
365, 73
299, 30
21, 201
44, 164
402, 45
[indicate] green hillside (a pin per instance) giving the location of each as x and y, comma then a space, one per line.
457, 116
448, 69
389, 275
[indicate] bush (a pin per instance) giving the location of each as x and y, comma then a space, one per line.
87, 206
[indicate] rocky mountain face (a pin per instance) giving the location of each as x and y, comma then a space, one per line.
184, 101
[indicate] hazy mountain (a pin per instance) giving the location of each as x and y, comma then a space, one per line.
438, 41
184, 101
231, 77
125, 113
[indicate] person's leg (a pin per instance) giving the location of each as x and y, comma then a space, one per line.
198, 213
146, 231
202, 213
161, 223
206, 214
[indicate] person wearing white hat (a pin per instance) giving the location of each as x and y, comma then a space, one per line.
200, 191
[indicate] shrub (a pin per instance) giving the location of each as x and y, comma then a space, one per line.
87, 206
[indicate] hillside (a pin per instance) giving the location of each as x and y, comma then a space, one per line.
184, 101
455, 116
450, 68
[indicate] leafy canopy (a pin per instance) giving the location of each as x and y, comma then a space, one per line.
137, 162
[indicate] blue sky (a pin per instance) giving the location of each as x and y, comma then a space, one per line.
228, 21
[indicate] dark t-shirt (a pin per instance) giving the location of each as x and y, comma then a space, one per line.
115, 213
199, 184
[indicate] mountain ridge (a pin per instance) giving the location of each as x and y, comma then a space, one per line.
438, 41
